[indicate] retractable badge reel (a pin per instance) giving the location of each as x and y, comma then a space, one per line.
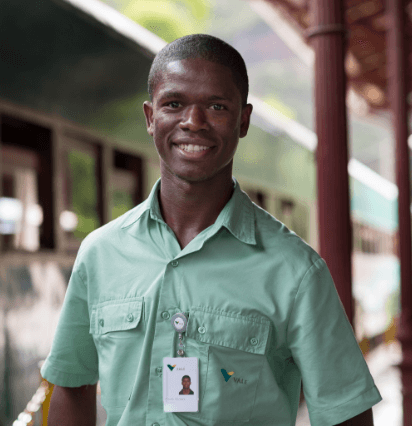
179, 323
180, 375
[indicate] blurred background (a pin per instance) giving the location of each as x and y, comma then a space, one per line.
75, 154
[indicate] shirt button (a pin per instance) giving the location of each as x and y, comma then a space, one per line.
155, 424
254, 341
101, 322
165, 315
174, 263
130, 317
159, 370
201, 330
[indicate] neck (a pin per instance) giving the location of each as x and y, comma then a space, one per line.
190, 207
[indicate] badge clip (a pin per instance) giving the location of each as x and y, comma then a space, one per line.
179, 323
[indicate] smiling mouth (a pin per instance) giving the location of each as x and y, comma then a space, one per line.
191, 152
193, 147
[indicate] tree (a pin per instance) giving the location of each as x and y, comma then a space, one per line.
169, 19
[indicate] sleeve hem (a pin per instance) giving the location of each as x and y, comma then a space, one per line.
65, 379
347, 410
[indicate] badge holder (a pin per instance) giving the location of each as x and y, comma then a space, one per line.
180, 375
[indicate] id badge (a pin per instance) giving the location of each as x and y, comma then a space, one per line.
180, 384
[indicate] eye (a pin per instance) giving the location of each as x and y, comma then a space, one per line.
218, 107
173, 104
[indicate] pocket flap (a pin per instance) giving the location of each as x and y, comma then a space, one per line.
227, 329
116, 315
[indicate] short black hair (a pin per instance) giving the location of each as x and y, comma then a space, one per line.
202, 46
186, 377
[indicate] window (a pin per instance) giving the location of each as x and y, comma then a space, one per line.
26, 208
126, 185
367, 239
81, 191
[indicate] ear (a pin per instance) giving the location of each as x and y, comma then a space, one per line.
245, 120
148, 113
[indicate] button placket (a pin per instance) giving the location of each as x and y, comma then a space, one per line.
159, 371
163, 334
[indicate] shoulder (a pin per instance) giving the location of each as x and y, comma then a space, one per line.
281, 244
110, 234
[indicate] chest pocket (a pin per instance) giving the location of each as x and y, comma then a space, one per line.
117, 327
116, 315
236, 347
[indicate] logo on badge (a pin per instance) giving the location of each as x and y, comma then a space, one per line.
179, 323
171, 367
227, 375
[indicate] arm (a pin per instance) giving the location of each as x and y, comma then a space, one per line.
363, 419
73, 406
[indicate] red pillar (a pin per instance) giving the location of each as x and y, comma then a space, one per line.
397, 66
328, 40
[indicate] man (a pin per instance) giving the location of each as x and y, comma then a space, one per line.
263, 312
186, 382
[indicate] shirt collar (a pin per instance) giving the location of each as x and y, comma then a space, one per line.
237, 215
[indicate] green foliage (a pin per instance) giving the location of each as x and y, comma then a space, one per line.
122, 202
83, 192
123, 119
169, 19
85, 226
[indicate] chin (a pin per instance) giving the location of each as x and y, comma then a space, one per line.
193, 179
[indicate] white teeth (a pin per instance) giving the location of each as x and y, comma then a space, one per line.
193, 148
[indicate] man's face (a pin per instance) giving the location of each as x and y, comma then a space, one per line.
186, 383
196, 102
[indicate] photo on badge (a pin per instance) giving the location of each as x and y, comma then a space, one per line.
180, 384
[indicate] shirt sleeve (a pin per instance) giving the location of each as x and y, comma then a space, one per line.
336, 380
73, 360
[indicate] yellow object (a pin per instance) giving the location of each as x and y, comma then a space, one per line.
46, 405
364, 345
390, 332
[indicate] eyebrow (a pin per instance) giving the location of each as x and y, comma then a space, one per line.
217, 98
178, 95
169, 95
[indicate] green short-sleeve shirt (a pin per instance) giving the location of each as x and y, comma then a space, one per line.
260, 302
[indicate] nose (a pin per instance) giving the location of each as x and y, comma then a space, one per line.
194, 119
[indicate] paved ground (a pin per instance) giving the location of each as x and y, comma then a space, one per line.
387, 378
